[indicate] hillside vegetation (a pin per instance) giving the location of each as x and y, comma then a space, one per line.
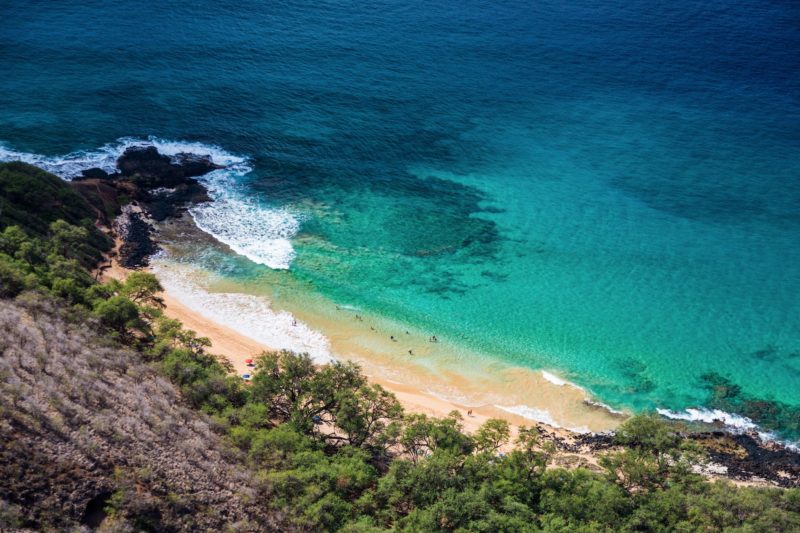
34, 199
116, 417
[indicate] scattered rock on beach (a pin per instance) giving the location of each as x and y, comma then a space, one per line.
136, 235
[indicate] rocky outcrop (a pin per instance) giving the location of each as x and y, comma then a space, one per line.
150, 169
158, 186
94, 174
746, 456
739, 456
87, 427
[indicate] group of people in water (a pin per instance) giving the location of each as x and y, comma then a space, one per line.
432, 338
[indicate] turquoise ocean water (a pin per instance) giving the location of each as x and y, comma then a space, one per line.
609, 190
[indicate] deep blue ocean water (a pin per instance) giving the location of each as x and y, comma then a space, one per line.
610, 190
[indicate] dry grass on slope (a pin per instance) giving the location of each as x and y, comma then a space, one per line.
82, 421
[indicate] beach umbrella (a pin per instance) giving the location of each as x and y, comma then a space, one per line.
248, 361
246, 376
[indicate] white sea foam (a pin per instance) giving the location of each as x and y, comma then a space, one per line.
731, 420
70, 165
539, 415
710, 416
246, 314
261, 234
555, 380
601, 405
66, 166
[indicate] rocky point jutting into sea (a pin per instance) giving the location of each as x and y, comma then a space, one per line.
147, 185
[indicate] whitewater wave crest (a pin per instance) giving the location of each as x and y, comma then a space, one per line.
732, 421
709, 416
250, 229
539, 415
261, 235
105, 157
249, 315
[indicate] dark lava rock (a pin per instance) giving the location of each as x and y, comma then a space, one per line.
137, 239
195, 165
747, 456
161, 186
94, 174
149, 168
164, 186
164, 204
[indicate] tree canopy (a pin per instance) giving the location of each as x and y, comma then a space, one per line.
336, 452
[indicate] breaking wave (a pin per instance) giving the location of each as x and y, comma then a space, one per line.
250, 229
731, 421
249, 315
539, 415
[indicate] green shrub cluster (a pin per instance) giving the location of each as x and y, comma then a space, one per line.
339, 453
34, 199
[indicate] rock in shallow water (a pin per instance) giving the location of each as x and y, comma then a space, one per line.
151, 169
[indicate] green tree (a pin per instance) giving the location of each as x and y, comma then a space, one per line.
652, 454
12, 278
67, 239
142, 288
492, 435
422, 435
369, 417
302, 393
119, 314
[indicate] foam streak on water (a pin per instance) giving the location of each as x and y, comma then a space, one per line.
555, 380
259, 234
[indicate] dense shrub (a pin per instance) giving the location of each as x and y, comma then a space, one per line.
334, 451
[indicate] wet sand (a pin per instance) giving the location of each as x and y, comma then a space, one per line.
426, 382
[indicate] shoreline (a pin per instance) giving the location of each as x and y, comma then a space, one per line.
756, 468
274, 314
237, 347
243, 320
